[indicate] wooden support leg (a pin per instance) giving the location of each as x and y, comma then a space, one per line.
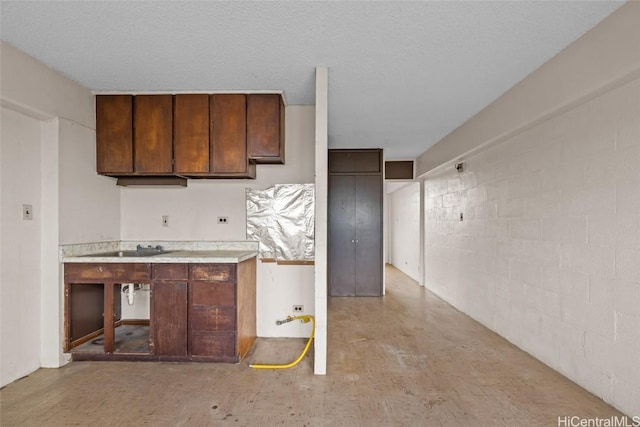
109, 330
67, 320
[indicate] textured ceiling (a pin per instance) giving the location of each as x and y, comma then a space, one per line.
402, 74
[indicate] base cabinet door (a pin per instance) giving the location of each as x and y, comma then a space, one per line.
212, 313
170, 318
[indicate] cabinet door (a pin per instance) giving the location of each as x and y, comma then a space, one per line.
169, 301
212, 318
114, 134
191, 133
342, 273
153, 134
228, 130
265, 128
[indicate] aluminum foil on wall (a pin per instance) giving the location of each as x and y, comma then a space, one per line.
281, 218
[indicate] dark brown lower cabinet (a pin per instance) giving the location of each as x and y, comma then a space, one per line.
200, 317
199, 312
87, 314
221, 310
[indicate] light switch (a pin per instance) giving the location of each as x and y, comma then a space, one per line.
27, 212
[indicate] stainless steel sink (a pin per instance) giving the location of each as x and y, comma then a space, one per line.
139, 252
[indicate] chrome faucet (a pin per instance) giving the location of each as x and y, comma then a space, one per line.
158, 248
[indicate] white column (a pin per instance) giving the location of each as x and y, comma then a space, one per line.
422, 233
51, 286
322, 170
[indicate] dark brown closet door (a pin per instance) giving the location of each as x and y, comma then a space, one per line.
368, 235
355, 235
342, 251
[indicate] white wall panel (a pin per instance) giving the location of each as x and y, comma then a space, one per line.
20, 248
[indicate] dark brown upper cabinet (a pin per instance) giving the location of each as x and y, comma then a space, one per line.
191, 134
114, 134
153, 134
265, 128
228, 131
365, 161
398, 169
148, 137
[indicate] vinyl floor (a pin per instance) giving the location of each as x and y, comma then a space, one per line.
407, 359
128, 339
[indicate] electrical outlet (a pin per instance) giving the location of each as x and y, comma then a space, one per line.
223, 220
298, 308
27, 212
165, 220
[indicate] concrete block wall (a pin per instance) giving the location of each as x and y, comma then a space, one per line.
548, 252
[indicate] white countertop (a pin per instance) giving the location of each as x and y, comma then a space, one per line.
177, 252
207, 257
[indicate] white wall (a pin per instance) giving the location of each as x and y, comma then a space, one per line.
73, 204
89, 204
548, 254
20, 253
193, 213
404, 229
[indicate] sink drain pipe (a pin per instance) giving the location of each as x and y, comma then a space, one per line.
305, 319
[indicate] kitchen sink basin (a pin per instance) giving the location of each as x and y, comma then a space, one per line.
122, 254
140, 252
